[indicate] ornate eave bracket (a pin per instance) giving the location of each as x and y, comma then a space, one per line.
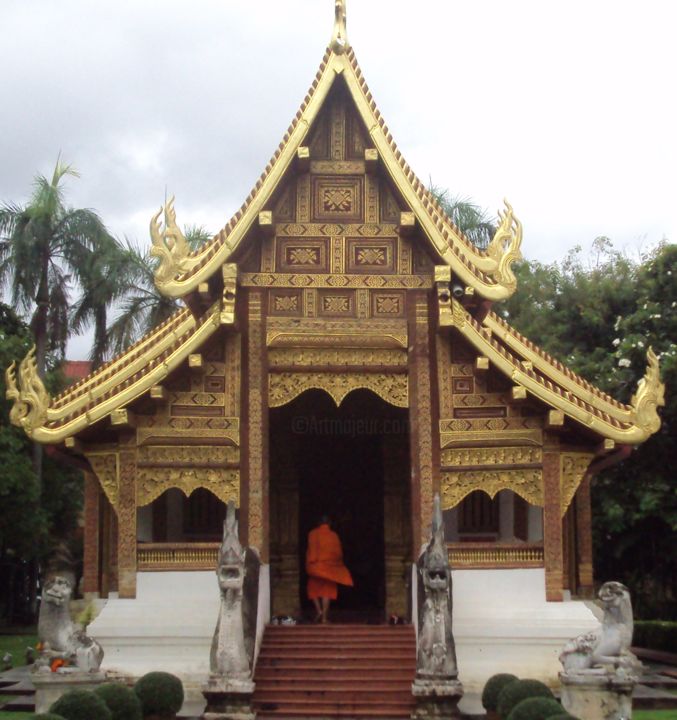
339, 37
169, 245
229, 273
29, 396
649, 397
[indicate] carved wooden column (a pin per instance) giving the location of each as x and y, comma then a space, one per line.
255, 431
584, 537
127, 517
90, 573
552, 526
424, 434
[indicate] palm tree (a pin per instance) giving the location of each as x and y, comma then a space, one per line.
469, 218
45, 250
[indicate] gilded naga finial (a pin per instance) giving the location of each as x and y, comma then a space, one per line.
339, 38
31, 400
504, 249
19, 408
649, 397
169, 245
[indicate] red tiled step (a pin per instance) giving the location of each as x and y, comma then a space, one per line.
335, 671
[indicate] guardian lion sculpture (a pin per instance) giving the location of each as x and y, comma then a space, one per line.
59, 636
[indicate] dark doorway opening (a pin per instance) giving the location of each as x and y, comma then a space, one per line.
339, 462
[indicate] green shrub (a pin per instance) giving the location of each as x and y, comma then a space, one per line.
655, 635
122, 701
81, 705
535, 708
161, 694
519, 690
493, 687
47, 716
562, 716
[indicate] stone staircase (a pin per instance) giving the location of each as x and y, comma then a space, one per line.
335, 671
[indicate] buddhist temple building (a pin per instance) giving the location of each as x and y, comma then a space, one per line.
340, 350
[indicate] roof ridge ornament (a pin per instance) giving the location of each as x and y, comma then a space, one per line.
339, 38
169, 245
649, 397
30, 398
504, 248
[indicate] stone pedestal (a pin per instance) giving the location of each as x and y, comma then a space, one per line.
436, 698
597, 697
228, 699
50, 686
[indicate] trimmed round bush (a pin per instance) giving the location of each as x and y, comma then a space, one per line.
535, 708
122, 701
47, 716
519, 690
81, 705
161, 694
493, 687
563, 716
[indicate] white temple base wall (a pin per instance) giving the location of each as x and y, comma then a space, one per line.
502, 623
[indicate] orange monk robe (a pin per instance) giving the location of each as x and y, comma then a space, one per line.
324, 563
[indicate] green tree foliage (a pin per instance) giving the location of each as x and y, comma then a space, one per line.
599, 315
31, 520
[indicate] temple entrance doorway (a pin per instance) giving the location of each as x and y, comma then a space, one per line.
351, 463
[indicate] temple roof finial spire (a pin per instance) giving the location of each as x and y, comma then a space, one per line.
339, 38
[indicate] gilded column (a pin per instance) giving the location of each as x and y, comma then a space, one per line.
423, 439
255, 446
584, 537
126, 535
90, 570
553, 552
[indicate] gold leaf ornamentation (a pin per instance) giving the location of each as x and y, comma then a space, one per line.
286, 303
106, 467
649, 397
504, 249
527, 483
168, 245
573, 467
335, 304
337, 199
388, 305
391, 387
371, 256
31, 399
304, 256
152, 482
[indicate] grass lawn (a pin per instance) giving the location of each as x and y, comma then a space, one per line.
16, 645
637, 715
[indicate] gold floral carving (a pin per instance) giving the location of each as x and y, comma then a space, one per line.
106, 467
229, 294
335, 303
527, 483
152, 482
197, 455
388, 305
304, 256
573, 467
284, 387
338, 199
491, 456
649, 397
451, 438
286, 303
304, 229
318, 357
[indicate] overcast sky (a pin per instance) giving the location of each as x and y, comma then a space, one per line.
568, 109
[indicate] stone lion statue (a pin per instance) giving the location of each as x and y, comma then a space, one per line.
59, 636
606, 649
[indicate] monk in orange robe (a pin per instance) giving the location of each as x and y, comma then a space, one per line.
325, 568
